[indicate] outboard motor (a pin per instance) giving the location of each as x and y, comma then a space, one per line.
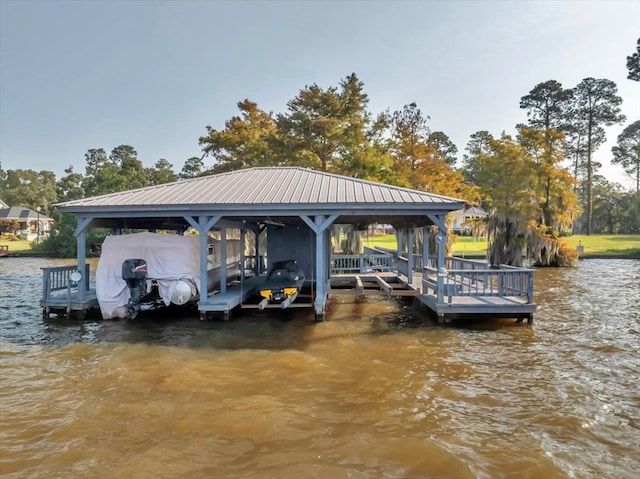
134, 272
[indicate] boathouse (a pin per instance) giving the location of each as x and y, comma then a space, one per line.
295, 208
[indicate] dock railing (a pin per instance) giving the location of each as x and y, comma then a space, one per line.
57, 279
464, 277
359, 264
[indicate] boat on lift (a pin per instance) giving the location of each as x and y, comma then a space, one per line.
282, 285
143, 271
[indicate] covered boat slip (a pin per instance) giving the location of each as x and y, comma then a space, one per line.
286, 213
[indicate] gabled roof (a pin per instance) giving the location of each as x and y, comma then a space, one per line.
268, 192
21, 214
475, 211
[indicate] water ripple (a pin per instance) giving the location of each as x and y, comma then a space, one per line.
378, 391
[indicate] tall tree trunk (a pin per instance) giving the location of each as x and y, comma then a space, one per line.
589, 176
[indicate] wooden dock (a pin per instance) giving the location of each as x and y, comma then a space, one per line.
62, 296
463, 289
236, 294
371, 284
471, 288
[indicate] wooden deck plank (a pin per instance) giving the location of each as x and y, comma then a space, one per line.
386, 287
455, 305
59, 303
480, 306
359, 287
233, 296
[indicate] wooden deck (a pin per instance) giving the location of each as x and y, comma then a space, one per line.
464, 289
371, 284
235, 295
244, 295
61, 295
476, 307
63, 305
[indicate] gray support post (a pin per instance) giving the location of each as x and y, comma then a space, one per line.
410, 247
400, 239
319, 303
81, 244
256, 266
242, 239
223, 260
319, 226
327, 255
425, 247
204, 250
442, 271
442, 276
441, 240
203, 226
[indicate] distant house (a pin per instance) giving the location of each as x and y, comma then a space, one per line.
30, 223
461, 219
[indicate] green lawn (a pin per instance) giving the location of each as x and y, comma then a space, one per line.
596, 245
465, 245
606, 245
16, 246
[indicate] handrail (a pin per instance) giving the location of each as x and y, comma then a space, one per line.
58, 278
502, 281
356, 264
459, 277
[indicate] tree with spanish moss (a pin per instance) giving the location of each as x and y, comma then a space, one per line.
513, 177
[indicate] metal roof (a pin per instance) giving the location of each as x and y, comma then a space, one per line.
272, 191
265, 186
21, 213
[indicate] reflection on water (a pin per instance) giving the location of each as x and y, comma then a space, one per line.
376, 391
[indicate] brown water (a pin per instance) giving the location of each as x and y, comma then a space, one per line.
377, 391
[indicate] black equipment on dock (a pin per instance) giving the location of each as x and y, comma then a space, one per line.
134, 272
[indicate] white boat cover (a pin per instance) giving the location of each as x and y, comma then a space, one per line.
169, 258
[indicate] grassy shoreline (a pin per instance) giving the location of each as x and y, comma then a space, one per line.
595, 246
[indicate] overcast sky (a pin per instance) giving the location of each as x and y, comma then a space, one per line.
153, 74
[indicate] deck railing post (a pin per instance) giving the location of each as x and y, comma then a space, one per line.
81, 262
45, 284
442, 276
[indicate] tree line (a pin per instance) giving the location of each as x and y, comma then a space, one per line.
537, 186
